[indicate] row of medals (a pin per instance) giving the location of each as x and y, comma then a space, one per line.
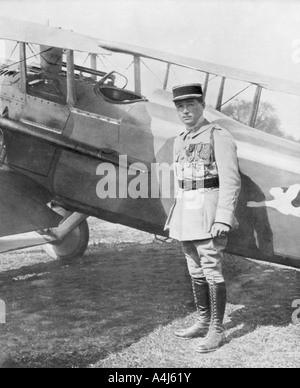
191, 169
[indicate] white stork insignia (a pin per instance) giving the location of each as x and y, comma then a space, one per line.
286, 200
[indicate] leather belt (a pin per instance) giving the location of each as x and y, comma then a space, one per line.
199, 184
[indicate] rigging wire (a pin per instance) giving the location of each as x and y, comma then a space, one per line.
211, 79
110, 63
247, 87
128, 67
13, 51
19, 62
86, 59
23, 60
103, 63
48, 49
37, 53
151, 71
175, 74
31, 49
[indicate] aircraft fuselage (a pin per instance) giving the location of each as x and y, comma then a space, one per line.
64, 147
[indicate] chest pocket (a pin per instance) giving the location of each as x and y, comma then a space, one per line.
196, 152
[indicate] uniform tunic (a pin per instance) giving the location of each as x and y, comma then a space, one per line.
206, 161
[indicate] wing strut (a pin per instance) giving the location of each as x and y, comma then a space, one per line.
166, 80
71, 88
221, 93
137, 74
255, 106
205, 86
23, 68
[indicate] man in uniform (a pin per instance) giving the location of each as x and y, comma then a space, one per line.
207, 185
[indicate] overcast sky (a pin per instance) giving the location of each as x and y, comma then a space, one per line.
262, 36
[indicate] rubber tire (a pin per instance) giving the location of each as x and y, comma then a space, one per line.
74, 244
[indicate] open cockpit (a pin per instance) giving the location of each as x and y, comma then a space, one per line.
60, 80
59, 76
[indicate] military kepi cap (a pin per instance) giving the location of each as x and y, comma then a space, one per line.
183, 92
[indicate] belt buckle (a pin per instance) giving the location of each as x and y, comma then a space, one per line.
185, 185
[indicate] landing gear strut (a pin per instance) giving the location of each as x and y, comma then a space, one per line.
74, 244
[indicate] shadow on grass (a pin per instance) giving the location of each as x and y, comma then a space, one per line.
72, 315
263, 294
75, 314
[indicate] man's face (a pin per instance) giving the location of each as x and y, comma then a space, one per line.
189, 111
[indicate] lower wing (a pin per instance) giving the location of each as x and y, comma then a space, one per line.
23, 205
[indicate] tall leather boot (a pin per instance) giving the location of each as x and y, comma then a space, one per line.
215, 337
201, 296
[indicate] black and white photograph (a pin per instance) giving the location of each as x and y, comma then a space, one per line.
149, 186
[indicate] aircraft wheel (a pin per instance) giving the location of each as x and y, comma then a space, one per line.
74, 244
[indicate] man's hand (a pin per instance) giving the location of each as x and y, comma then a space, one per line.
219, 230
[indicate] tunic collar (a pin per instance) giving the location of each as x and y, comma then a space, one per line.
200, 127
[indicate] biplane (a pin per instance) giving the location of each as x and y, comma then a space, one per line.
62, 124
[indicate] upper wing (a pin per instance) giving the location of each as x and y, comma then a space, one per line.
272, 83
23, 205
22, 31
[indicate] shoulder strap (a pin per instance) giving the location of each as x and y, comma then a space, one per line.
212, 142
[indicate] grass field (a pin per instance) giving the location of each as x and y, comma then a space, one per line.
260, 333
119, 305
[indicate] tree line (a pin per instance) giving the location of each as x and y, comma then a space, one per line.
267, 119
